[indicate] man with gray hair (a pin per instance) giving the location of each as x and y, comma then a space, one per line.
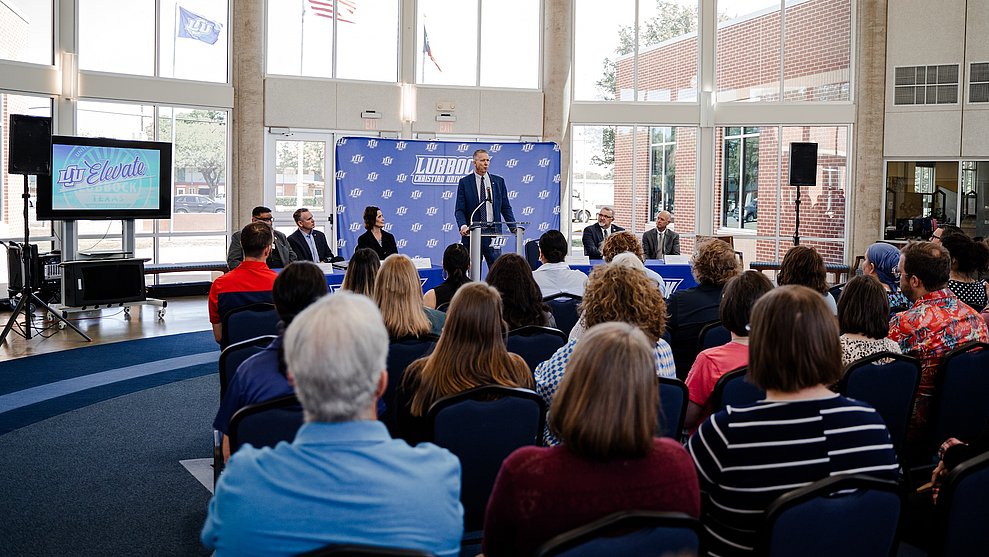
343, 480
661, 240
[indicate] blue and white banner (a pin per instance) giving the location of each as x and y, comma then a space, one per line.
194, 26
414, 183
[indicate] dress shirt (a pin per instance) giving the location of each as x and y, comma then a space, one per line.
312, 246
483, 193
558, 278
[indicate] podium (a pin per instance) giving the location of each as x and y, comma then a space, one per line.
482, 229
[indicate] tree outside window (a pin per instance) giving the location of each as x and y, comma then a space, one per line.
741, 178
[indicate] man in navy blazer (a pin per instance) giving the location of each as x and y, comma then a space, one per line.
478, 187
594, 234
299, 240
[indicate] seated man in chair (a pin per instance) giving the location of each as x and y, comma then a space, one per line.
343, 480
249, 283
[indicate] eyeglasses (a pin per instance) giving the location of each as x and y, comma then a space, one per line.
605, 216
268, 220
935, 237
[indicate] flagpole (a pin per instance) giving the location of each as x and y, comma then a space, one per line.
422, 54
302, 39
175, 34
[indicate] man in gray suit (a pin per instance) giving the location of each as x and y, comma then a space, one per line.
661, 241
281, 251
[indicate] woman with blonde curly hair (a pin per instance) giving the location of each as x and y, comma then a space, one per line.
714, 264
471, 353
398, 293
614, 293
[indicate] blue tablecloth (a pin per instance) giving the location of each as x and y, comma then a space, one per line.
677, 276
430, 278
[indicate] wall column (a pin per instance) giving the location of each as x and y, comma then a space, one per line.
557, 75
246, 176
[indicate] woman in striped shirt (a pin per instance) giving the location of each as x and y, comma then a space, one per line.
802, 432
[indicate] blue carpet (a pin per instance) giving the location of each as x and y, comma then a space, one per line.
39, 387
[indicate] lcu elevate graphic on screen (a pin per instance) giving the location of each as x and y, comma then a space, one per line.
414, 183
104, 178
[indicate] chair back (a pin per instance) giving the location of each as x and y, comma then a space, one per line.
961, 513
247, 322
532, 254
629, 533
713, 334
960, 408
889, 387
401, 353
564, 309
836, 291
443, 307
673, 397
840, 515
266, 424
734, 388
535, 344
232, 356
482, 427
349, 550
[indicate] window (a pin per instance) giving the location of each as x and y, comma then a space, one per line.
926, 85
740, 183
360, 42
920, 194
27, 31
978, 83
663, 162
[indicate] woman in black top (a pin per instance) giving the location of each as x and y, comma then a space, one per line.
968, 259
456, 260
376, 238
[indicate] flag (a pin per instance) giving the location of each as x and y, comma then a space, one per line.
429, 51
193, 26
324, 8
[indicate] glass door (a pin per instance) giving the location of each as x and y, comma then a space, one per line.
298, 174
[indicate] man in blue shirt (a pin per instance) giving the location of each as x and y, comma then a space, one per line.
343, 480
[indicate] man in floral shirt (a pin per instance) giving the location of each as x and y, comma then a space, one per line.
936, 323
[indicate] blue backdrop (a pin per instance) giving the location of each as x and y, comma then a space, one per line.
415, 185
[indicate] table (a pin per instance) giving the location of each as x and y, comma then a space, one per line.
677, 276
430, 278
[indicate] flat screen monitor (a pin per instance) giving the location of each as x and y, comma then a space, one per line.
100, 178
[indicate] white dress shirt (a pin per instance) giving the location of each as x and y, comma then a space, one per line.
557, 278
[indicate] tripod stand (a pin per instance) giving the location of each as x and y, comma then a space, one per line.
27, 293
796, 229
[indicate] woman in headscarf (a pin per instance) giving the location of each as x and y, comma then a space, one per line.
881, 261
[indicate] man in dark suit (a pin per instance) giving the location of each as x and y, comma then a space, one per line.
595, 234
475, 189
307, 242
281, 252
661, 241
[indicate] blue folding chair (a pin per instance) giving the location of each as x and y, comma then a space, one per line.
839, 515
673, 398
247, 322
535, 344
401, 353
959, 406
961, 514
266, 424
887, 382
628, 533
713, 334
232, 356
734, 388
482, 427
532, 254
564, 309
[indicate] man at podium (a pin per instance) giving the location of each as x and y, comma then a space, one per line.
477, 189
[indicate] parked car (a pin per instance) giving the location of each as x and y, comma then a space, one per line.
581, 210
197, 204
751, 210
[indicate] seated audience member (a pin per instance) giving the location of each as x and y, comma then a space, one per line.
740, 294
262, 376
661, 240
398, 293
361, 272
881, 261
953, 452
456, 261
520, 297
281, 251
595, 234
626, 242
554, 276
803, 266
470, 353
614, 293
714, 264
968, 260
610, 459
376, 238
308, 243
250, 282
802, 432
935, 324
863, 318
343, 480
945, 231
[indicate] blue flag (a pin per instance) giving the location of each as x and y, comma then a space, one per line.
192, 26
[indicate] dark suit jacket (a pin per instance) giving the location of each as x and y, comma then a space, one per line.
593, 238
301, 247
650, 243
467, 201
281, 252
384, 249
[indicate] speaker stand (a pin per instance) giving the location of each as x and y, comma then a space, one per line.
796, 229
27, 293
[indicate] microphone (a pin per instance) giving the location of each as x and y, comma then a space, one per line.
470, 220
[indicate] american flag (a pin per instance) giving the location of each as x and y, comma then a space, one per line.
324, 8
429, 51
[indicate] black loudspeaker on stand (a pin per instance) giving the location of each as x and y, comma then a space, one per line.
30, 153
803, 172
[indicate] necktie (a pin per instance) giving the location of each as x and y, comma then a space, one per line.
486, 196
662, 243
312, 248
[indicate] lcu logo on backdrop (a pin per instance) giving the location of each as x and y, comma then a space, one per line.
341, 243
355, 226
556, 210
431, 212
543, 162
447, 226
388, 227
528, 178
402, 243
341, 209
498, 242
341, 174
357, 159
416, 227
463, 147
556, 179
544, 226
430, 147
447, 195
387, 161
401, 145
528, 210
386, 194
512, 194
402, 178
342, 141
356, 192
543, 194
432, 243
372, 176
495, 148
527, 148
511, 163
401, 211
372, 143
416, 194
